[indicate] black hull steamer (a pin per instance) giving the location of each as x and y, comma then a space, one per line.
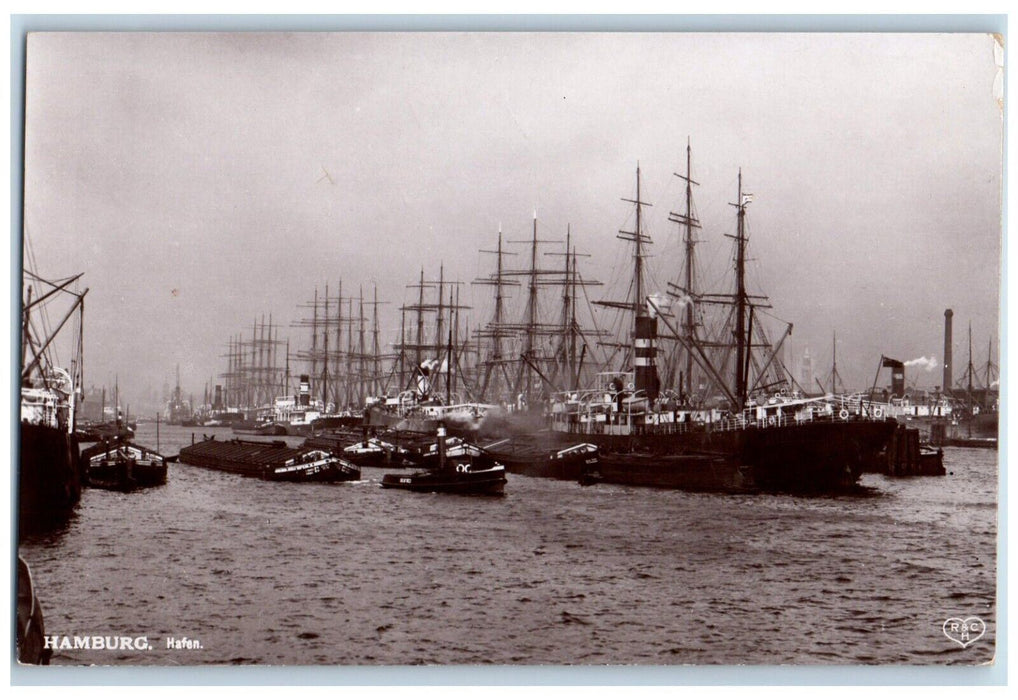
461, 469
763, 441
49, 478
272, 461
819, 456
122, 465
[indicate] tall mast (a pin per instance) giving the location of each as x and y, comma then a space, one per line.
639, 305
360, 350
336, 373
569, 328
970, 370
834, 365
260, 372
402, 349
499, 281
568, 310
496, 330
375, 349
440, 318
349, 353
450, 353
688, 292
641, 309
420, 320
990, 367
741, 302
314, 339
525, 376
270, 365
324, 389
687, 390
286, 380
574, 326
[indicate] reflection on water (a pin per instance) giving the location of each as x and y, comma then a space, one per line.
553, 573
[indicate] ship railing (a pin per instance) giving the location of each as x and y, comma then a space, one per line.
623, 423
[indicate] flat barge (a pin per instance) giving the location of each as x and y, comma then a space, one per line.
273, 461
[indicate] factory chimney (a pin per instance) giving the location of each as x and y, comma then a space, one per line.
947, 351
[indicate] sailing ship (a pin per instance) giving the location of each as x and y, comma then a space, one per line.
758, 441
49, 480
432, 386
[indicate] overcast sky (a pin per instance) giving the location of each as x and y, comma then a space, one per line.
184, 174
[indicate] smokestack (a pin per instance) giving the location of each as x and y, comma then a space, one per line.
646, 378
304, 391
947, 351
898, 380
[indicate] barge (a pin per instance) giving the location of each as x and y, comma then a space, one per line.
273, 461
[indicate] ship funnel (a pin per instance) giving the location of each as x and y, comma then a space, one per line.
217, 401
897, 376
646, 378
898, 381
304, 392
440, 444
947, 351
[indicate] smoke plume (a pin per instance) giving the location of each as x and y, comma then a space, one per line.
927, 364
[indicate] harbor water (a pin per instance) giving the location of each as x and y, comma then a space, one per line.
256, 572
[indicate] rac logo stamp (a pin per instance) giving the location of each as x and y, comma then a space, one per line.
964, 632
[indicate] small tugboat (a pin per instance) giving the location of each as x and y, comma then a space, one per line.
462, 468
121, 465
273, 461
31, 630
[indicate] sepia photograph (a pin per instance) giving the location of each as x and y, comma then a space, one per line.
508, 348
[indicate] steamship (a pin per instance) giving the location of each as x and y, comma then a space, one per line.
961, 415
49, 478
755, 440
301, 414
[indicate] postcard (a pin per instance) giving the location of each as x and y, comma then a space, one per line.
528, 349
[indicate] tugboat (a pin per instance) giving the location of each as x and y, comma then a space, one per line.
121, 465
462, 469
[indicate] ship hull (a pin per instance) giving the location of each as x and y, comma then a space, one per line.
811, 457
126, 474
479, 484
49, 479
270, 461
580, 463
